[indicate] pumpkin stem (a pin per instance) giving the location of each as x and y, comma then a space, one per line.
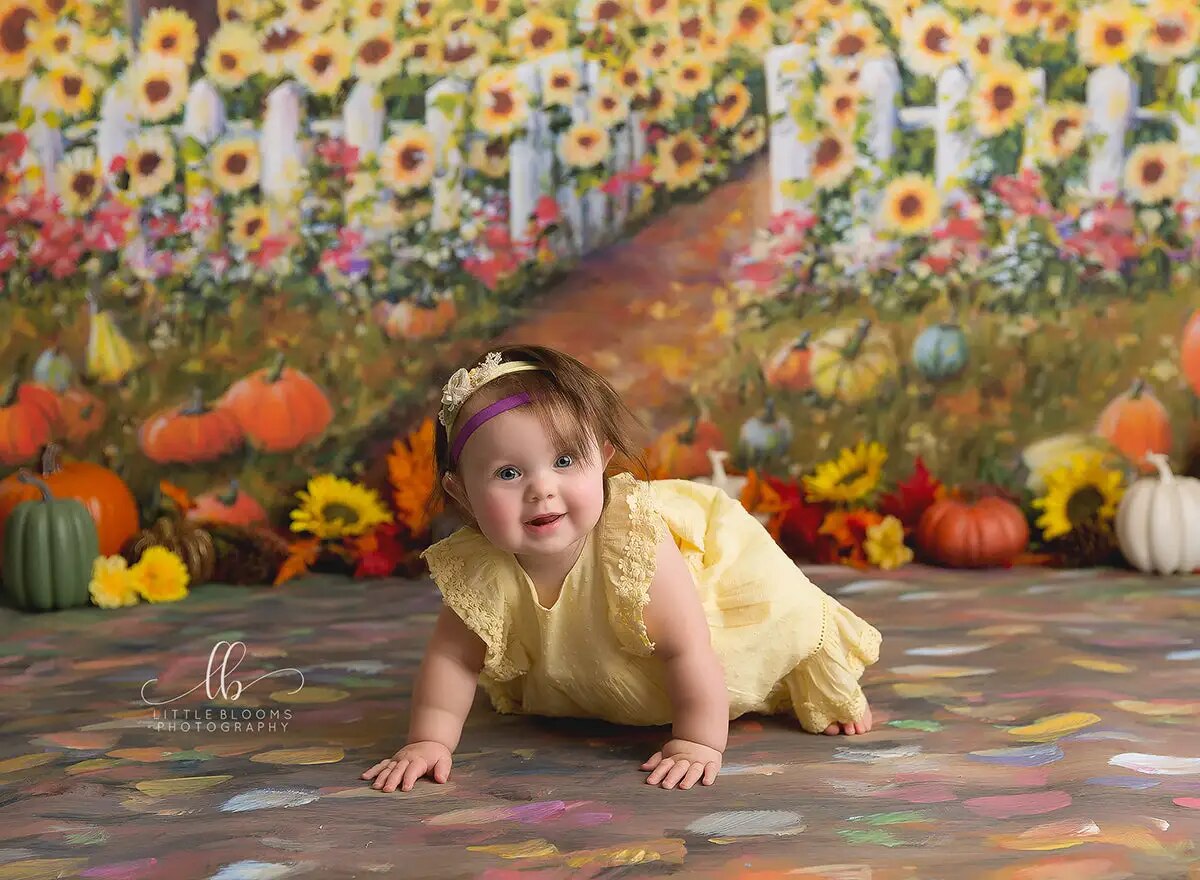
276, 370
802, 341
1163, 464
688, 435
51, 459
10, 392
229, 496
1138, 387
196, 406
26, 477
856, 342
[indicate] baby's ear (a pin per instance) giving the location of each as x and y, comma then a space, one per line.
607, 449
454, 488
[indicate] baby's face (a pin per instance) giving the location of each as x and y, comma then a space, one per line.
514, 477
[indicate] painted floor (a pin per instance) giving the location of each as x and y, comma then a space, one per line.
1031, 725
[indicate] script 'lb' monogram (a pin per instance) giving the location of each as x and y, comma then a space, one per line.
227, 687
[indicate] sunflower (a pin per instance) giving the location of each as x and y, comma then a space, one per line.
931, 40
1155, 172
110, 586
850, 477
422, 55
54, 9
501, 102
80, 180
984, 41
1058, 24
489, 158
1019, 17
421, 14
249, 224
378, 55
910, 205
1003, 96
235, 164
454, 21
1078, 492
104, 50
369, 13
733, 101
159, 576
748, 23
537, 33
656, 11
467, 51
491, 12
690, 77
407, 160
630, 78
601, 13
17, 18
680, 160
245, 11
160, 87
280, 46
70, 88
608, 107
584, 145
885, 544
310, 16
150, 162
839, 104
691, 26
324, 62
335, 508
560, 85
56, 42
714, 46
832, 160
1110, 33
171, 34
657, 104
659, 53
1174, 30
750, 137
232, 55
849, 42
1061, 130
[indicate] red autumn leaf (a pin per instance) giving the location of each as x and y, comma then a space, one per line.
914, 497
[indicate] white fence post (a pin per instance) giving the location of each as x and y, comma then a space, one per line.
524, 185
281, 152
363, 117
595, 201
790, 159
1189, 132
204, 114
45, 141
1111, 103
953, 147
1029, 149
569, 202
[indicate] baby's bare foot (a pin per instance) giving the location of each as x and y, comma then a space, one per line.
850, 728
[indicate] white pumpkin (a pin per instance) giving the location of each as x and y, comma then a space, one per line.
731, 485
1158, 521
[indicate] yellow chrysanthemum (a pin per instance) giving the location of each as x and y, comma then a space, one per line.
838, 103
733, 101
850, 477
18, 18
1155, 172
366, 13
748, 23
931, 40
679, 160
833, 160
1019, 17
324, 62
659, 53
560, 85
1002, 98
332, 507
310, 16
232, 55
608, 107
169, 33
584, 145
160, 87
750, 137
911, 205
984, 42
690, 77
1110, 33
537, 33
280, 46
103, 50
160, 576
111, 586
1077, 492
249, 224
1061, 131
489, 158
657, 11
1174, 30
56, 42
501, 102
422, 55
70, 88
378, 56
885, 544
150, 163
658, 104
849, 42
80, 180
407, 161
235, 164
491, 12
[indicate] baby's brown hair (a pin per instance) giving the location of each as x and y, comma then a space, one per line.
574, 403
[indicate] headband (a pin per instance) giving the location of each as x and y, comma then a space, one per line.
488, 412
465, 382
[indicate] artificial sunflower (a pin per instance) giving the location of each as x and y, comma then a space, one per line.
54, 9
679, 160
713, 46
501, 102
110, 586
378, 56
839, 102
630, 78
657, 11
910, 205
1081, 491
375, 12
691, 26
658, 104
150, 162
244, 11
232, 55
454, 20
602, 13
659, 53
70, 88
16, 44
310, 16
733, 101
885, 544
1059, 24
159, 575
690, 77
56, 42
931, 40
850, 477
467, 51
1061, 130
280, 46
421, 14
249, 224
1110, 33
333, 508
80, 180
748, 23
104, 50
1174, 30
848, 43
537, 33
1155, 172
984, 41
560, 85
407, 160
489, 158
324, 62
235, 164
422, 55
491, 12
584, 145
750, 137
609, 107
1002, 98
160, 87
169, 33
832, 160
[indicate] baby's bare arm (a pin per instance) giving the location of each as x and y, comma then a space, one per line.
445, 685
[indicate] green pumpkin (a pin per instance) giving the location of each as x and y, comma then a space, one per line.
49, 547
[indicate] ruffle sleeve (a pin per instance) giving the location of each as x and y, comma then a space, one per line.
825, 686
476, 586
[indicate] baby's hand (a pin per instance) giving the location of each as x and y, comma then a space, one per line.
409, 764
683, 762
850, 727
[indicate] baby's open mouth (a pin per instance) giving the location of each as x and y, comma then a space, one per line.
544, 519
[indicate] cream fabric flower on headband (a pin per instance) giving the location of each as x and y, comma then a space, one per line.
463, 383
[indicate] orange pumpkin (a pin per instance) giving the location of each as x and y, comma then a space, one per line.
190, 432
30, 416
101, 491
278, 407
417, 319
231, 505
682, 452
82, 414
988, 533
790, 367
1189, 352
1136, 423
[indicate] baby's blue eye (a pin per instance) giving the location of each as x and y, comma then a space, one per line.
508, 470
564, 461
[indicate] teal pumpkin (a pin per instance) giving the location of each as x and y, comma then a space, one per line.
54, 370
49, 547
940, 352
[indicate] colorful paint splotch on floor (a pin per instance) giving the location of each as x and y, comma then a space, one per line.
1031, 725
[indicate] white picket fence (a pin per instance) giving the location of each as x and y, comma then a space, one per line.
1108, 116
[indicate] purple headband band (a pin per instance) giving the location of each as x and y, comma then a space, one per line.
488, 412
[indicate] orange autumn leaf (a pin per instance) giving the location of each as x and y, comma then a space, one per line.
301, 556
411, 472
177, 494
759, 497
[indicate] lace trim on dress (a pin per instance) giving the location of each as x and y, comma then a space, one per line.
632, 567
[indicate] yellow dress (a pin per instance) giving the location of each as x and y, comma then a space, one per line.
784, 644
